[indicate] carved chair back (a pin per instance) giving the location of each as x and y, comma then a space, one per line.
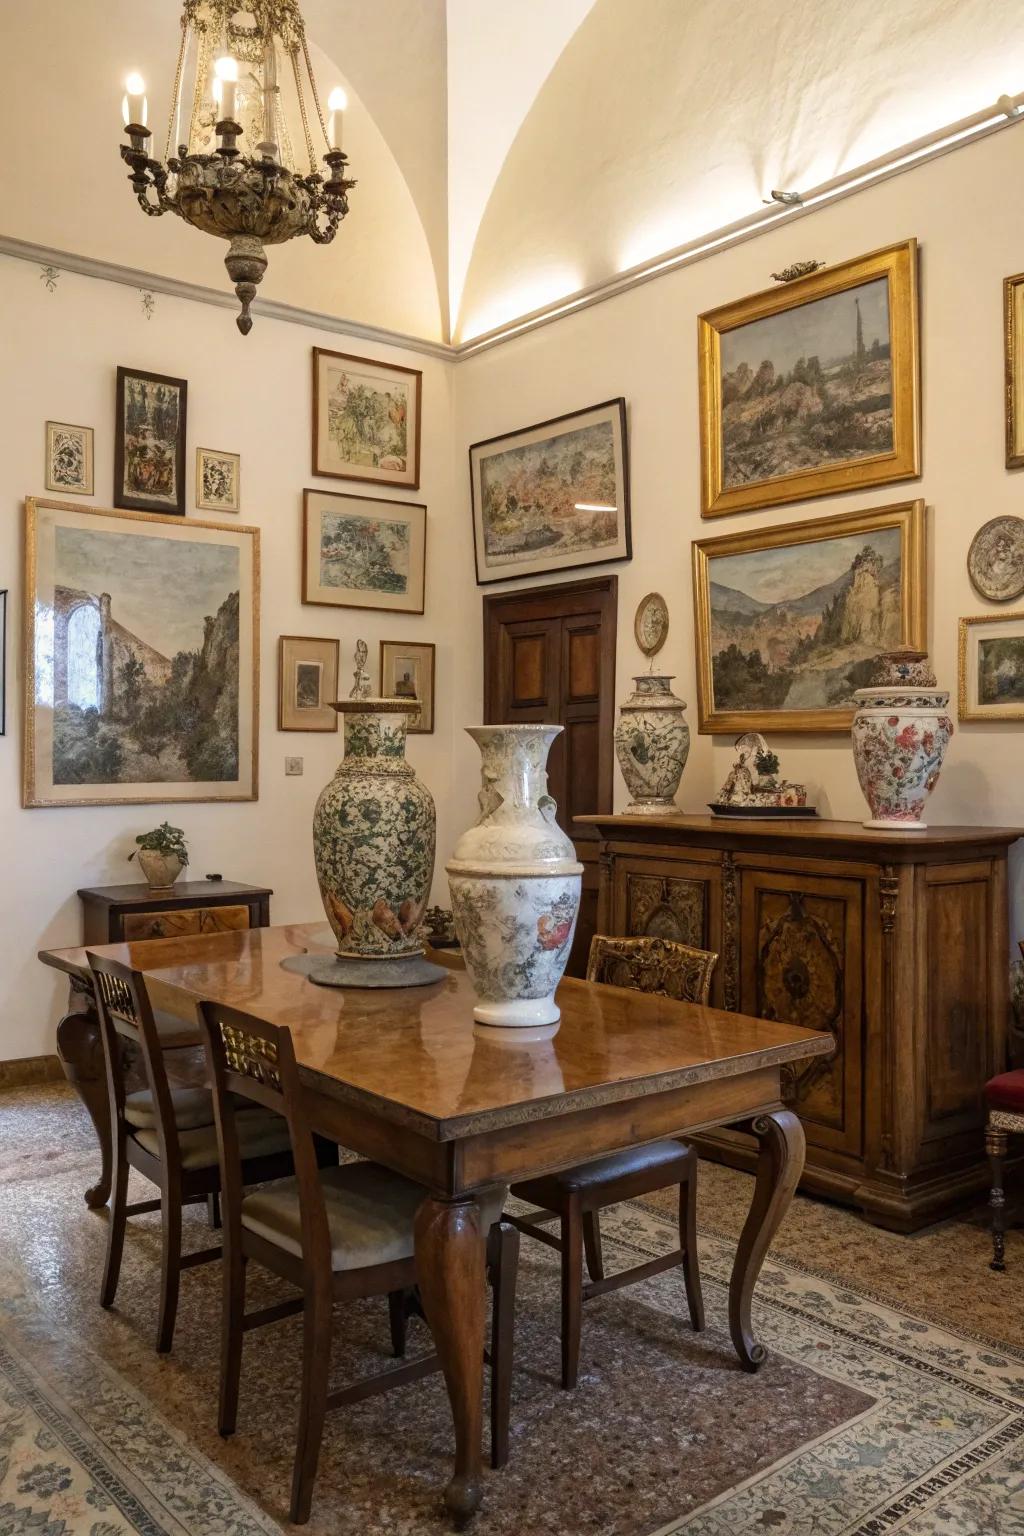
253, 1060
658, 966
126, 1013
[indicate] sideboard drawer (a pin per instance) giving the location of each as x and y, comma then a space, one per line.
184, 922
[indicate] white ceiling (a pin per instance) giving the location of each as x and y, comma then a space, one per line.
506, 153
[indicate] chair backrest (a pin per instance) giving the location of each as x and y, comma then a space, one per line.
659, 966
251, 1059
125, 1013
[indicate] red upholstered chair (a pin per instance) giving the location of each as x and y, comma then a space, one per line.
1004, 1096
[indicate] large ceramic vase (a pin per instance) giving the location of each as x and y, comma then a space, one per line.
515, 882
900, 734
374, 836
652, 743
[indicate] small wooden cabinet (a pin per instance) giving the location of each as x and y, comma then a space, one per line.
116, 913
896, 942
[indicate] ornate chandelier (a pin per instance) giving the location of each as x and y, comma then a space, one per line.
251, 199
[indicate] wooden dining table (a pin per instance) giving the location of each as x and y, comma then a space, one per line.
406, 1078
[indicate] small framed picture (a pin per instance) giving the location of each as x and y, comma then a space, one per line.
407, 672
991, 680
149, 442
218, 481
363, 552
366, 419
3, 661
307, 683
69, 458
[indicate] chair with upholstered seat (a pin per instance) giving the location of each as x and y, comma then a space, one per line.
577, 1195
336, 1235
1004, 1099
168, 1135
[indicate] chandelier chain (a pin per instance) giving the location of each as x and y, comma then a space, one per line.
316, 93
171, 148
294, 56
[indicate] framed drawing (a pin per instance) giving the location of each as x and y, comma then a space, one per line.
307, 683
991, 673
407, 672
218, 481
149, 442
363, 552
552, 497
141, 658
366, 419
812, 387
3, 661
69, 458
1013, 343
790, 620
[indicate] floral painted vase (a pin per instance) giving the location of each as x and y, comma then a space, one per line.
652, 743
900, 734
374, 836
515, 882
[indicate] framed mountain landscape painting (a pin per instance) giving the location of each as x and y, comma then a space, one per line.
812, 387
142, 658
791, 620
366, 419
553, 496
363, 552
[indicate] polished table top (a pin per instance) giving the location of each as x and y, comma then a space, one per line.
415, 1055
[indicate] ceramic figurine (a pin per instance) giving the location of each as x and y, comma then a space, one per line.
652, 742
753, 787
900, 734
374, 833
361, 678
515, 881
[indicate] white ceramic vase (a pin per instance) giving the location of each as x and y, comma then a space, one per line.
652, 743
900, 734
515, 882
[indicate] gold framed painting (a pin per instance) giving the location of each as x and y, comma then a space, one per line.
407, 672
812, 387
141, 658
790, 620
307, 683
218, 481
991, 670
69, 459
1013, 351
366, 419
363, 552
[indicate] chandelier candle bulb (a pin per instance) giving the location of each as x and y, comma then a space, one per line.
227, 80
135, 107
337, 101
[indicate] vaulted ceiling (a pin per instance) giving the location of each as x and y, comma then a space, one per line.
506, 154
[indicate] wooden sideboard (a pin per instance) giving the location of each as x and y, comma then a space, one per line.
896, 942
112, 913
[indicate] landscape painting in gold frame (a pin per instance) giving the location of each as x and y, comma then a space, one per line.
991, 670
790, 620
812, 387
1013, 341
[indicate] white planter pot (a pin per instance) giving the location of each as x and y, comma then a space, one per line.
160, 869
900, 734
515, 882
652, 743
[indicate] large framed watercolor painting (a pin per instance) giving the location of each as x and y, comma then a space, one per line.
363, 552
149, 442
141, 658
366, 419
790, 620
552, 497
811, 388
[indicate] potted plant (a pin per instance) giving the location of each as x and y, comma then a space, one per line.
163, 854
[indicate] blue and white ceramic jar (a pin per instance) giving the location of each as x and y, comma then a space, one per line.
652, 743
515, 882
900, 734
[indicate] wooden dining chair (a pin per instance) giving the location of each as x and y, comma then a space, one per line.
577, 1195
167, 1134
336, 1234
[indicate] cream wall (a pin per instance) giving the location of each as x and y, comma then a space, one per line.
643, 345
251, 396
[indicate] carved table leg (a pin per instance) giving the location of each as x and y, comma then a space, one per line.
995, 1147
80, 1050
779, 1166
450, 1263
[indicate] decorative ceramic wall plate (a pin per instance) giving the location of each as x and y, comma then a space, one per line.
995, 560
651, 624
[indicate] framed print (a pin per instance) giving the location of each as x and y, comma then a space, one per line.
141, 658
812, 387
407, 672
149, 442
790, 620
991, 673
3, 661
307, 683
366, 419
218, 481
363, 552
69, 457
552, 497
1013, 342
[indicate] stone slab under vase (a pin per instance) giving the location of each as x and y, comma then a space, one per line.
374, 975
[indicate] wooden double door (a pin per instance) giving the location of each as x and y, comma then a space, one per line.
549, 655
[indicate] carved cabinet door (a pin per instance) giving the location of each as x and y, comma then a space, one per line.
802, 961
680, 900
